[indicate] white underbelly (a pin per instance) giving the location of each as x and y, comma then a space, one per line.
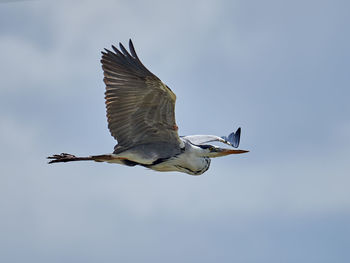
184, 163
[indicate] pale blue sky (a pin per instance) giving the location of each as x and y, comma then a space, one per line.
278, 69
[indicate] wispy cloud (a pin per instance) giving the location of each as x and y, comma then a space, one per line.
275, 68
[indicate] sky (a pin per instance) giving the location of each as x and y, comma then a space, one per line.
278, 69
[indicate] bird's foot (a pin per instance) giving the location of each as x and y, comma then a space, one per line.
63, 157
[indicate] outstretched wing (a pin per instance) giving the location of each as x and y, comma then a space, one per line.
140, 108
232, 140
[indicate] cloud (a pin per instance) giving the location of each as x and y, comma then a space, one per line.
275, 69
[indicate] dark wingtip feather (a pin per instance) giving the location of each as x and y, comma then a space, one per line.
238, 132
237, 138
117, 52
234, 138
123, 49
124, 60
132, 50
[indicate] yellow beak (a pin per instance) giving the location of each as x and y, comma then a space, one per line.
222, 152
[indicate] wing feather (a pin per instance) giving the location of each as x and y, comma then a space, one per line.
140, 108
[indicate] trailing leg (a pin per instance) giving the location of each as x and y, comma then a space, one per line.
66, 157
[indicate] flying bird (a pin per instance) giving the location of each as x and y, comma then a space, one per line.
141, 117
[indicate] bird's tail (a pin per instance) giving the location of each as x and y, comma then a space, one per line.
66, 157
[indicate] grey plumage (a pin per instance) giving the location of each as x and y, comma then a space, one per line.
140, 108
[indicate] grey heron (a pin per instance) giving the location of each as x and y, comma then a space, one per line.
141, 117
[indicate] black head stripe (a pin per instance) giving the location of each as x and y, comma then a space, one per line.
205, 146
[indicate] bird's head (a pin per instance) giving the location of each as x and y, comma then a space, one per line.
213, 151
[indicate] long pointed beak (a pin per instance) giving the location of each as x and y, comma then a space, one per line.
223, 152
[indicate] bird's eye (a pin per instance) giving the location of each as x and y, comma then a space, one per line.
211, 148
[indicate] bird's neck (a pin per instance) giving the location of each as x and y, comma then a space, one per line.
197, 151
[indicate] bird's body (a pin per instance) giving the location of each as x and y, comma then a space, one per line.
190, 159
140, 114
